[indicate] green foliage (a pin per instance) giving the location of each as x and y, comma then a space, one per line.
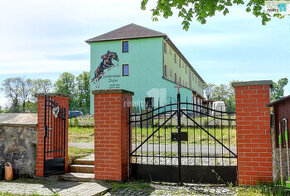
222, 92
74, 122
129, 185
83, 92
77, 88
65, 83
278, 89
12, 90
20, 93
41, 86
208, 90
201, 10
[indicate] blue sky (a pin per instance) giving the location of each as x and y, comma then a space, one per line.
42, 39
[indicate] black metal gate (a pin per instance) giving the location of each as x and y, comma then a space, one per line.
183, 142
54, 137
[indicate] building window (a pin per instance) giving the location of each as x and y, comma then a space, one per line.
180, 80
165, 71
170, 51
165, 48
125, 70
149, 102
175, 58
175, 78
179, 63
125, 46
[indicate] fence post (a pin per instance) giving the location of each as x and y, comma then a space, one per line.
62, 100
112, 134
254, 147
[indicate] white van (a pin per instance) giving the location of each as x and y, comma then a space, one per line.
219, 106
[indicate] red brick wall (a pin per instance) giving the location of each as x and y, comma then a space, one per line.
64, 102
111, 135
253, 134
40, 137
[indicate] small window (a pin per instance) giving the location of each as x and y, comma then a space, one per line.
165, 48
125, 70
149, 102
179, 63
125, 46
185, 70
165, 71
175, 78
180, 80
175, 58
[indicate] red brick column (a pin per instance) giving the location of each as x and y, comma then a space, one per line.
253, 132
61, 100
111, 134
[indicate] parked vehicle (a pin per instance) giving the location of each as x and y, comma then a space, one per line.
219, 106
75, 113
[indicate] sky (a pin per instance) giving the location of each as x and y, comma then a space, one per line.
42, 39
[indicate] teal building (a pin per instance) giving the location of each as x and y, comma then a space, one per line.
145, 62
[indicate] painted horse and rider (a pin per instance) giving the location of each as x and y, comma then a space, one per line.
105, 64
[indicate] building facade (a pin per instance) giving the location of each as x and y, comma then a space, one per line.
145, 62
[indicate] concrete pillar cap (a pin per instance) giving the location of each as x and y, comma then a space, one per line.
253, 83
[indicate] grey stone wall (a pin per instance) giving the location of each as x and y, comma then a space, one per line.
18, 141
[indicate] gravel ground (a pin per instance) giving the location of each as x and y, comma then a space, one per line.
82, 145
172, 189
186, 161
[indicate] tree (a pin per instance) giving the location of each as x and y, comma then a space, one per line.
66, 85
25, 92
208, 90
222, 92
83, 92
42, 86
278, 89
12, 90
201, 10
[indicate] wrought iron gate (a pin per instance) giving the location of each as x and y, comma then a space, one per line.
54, 137
183, 142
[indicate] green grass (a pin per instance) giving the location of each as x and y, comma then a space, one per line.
81, 134
82, 152
195, 135
129, 185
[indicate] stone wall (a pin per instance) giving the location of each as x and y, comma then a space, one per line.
18, 139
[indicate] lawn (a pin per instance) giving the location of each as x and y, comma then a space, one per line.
81, 134
195, 135
79, 152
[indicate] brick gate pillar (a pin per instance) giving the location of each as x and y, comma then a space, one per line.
111, 134
62, 100
253, 131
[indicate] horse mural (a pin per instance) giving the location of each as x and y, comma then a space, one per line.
106, 64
